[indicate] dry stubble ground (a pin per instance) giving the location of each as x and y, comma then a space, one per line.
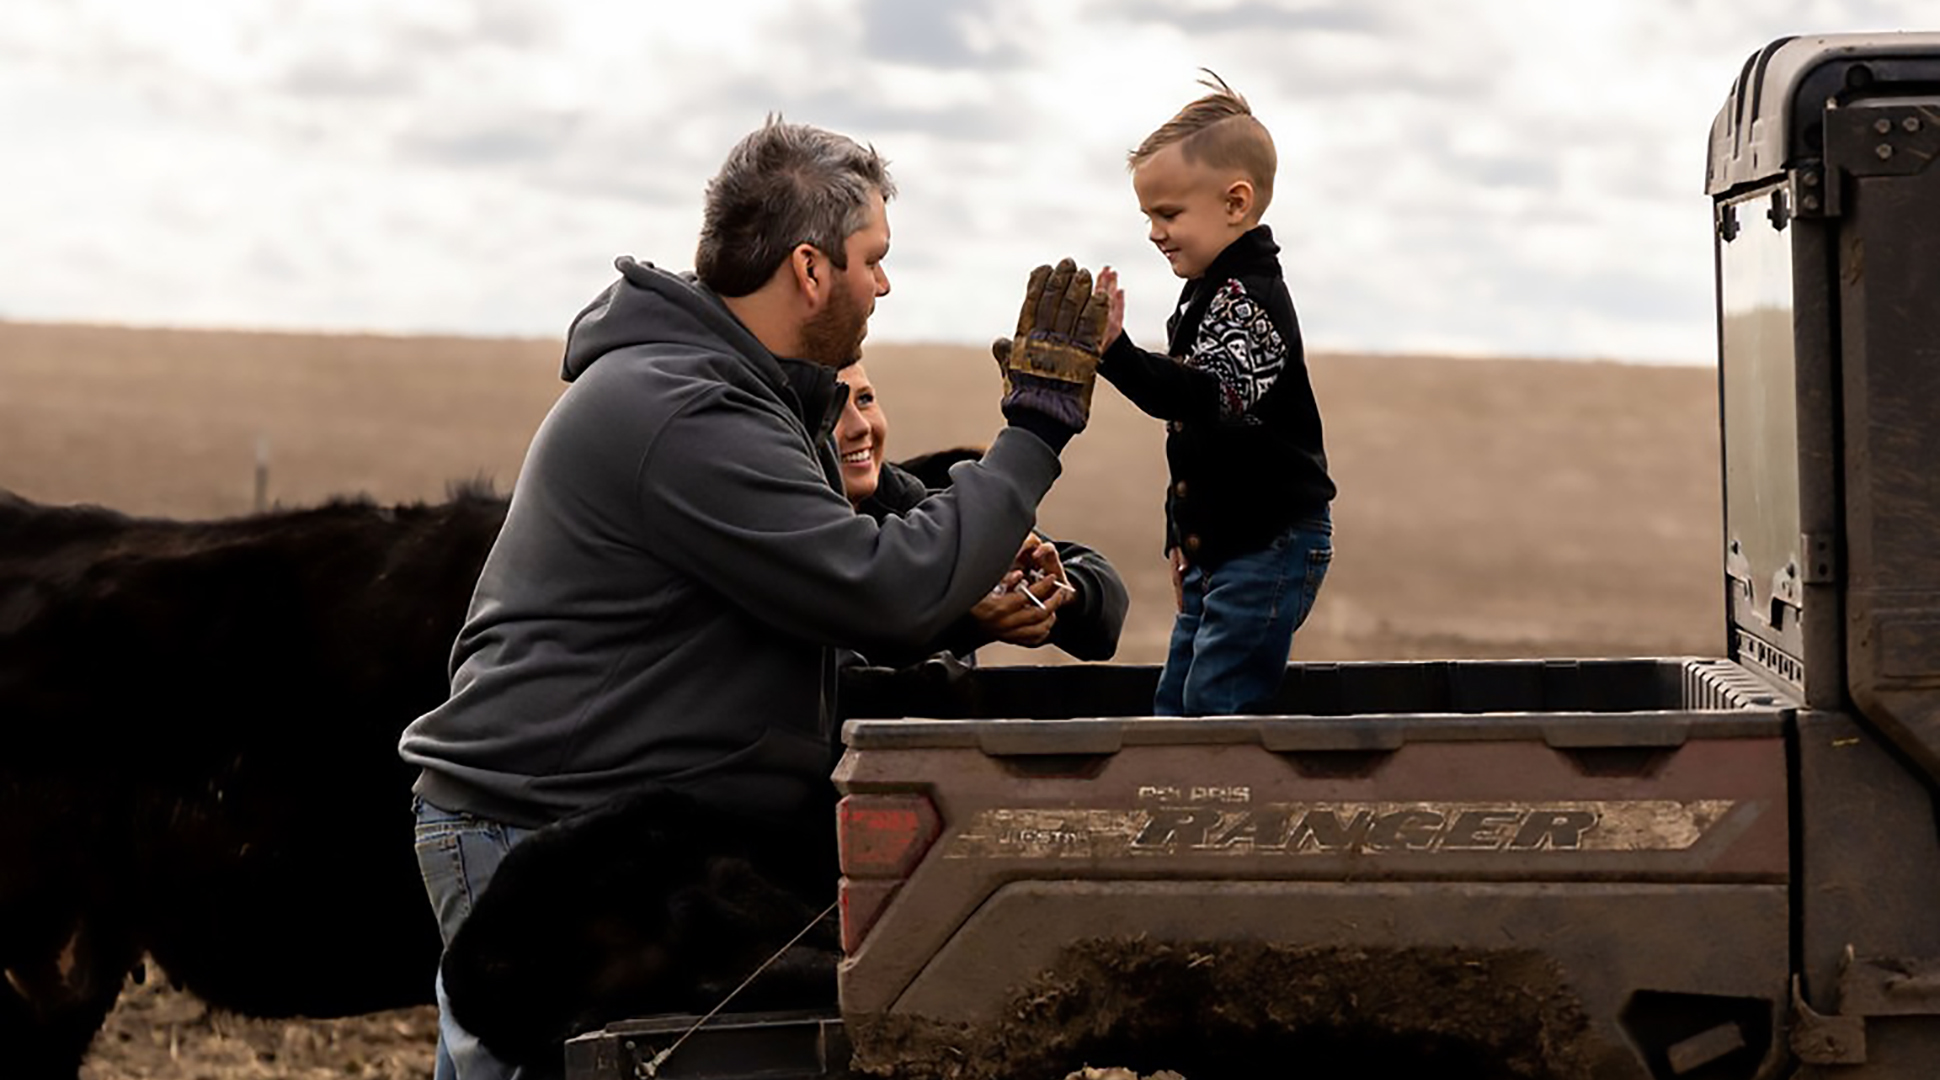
1487, 508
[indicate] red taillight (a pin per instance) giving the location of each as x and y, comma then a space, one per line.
862, 901
880, 838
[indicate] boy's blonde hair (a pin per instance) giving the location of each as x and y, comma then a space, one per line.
1220, 130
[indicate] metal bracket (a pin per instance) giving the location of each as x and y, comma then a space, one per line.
1815, 191
1727, 222
1785, 594
1818, 1039
1737, 568
1821, 553
1883, 139
1874, 986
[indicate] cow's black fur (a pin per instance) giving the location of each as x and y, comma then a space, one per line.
198, 757
933, 468
654, 904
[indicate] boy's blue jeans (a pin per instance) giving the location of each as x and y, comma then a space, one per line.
1231, 638
458, 854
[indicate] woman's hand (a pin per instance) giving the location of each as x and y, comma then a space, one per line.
1023, 607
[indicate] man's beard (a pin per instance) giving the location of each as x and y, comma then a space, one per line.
833, 336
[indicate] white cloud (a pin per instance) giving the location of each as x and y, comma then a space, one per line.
1505, 176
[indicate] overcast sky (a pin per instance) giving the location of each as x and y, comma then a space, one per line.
1500, 177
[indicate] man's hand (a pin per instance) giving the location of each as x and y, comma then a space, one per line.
1023, 608
1177, 559
1051, 363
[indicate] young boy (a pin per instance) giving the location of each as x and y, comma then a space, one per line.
1248, 530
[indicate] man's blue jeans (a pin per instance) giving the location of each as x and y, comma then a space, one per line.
458, 854
1231, 638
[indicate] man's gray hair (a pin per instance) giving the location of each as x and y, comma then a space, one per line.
783, 185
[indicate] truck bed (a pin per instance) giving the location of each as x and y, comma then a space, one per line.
1484, 862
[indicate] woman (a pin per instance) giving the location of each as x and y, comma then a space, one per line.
1057, 592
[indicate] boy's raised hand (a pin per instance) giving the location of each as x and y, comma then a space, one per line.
1114, 305
1051, 364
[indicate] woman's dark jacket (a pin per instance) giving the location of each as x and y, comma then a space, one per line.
1087, 625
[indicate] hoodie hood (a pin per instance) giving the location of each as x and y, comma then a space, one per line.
649, 305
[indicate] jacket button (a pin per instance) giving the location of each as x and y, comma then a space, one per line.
1192, 542
1176, 426
1179, 489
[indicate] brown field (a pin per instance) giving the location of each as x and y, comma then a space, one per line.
1487, 508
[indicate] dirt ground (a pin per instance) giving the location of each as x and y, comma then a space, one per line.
157, 1033
1487, 508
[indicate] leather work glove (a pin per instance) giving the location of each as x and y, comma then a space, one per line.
1051, 364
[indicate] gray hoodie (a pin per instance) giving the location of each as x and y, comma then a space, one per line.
677, 563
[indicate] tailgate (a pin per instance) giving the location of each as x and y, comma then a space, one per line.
1620, 875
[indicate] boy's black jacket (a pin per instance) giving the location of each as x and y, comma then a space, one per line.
1236, 481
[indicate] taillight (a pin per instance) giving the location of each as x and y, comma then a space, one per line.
881, 838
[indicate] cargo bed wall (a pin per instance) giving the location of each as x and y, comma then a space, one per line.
944, 689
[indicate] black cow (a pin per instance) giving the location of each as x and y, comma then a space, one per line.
198, 760
198, 757
653, 904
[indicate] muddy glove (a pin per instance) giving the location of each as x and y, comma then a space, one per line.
1050, 366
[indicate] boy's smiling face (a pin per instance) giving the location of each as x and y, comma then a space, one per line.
1194, 211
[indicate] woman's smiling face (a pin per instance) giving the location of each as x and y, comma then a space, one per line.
860, 434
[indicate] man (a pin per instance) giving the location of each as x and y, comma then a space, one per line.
678, 560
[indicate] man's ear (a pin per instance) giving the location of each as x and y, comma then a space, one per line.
1239, 200
810, 269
